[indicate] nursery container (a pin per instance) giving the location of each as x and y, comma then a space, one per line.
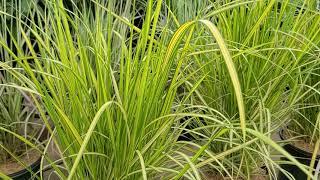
185, 134
301, 155
26, 174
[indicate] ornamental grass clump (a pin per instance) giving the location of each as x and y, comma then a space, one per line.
305, 109
110, 102
110, 88
305, 114
269, 43
17, 114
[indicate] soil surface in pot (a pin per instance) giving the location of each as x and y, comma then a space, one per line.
302, 143
12, 166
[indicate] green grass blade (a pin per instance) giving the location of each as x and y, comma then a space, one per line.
232, 72
143, 167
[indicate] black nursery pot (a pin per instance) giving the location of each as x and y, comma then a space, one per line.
27, 173
186, 135
302, 156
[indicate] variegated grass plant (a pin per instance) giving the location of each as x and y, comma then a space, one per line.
274, 46
114, 105
17, 114
110, 102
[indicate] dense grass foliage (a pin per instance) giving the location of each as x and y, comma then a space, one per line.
122, 80
17, 114
275, 49
109, 101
